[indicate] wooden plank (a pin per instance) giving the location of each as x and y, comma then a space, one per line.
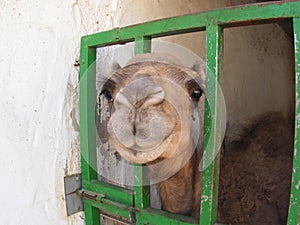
231, 16
212, 127
141, 190
87, 125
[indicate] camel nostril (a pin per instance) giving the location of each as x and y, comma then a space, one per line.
134, 129
157, 96
122, 99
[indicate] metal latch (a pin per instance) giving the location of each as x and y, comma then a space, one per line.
91, 195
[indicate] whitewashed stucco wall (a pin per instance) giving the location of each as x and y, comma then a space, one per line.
39, 43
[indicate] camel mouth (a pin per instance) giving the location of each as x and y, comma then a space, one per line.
142, 155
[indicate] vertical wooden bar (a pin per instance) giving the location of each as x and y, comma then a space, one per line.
294, 210
141, 192
142, 45
91, 215
212, 126
87, 124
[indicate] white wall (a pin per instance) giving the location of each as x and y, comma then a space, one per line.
39, 43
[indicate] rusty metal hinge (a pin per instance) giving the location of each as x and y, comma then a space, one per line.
73, 199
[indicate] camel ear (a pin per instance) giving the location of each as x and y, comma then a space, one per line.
200, 69
115, 66
101, 80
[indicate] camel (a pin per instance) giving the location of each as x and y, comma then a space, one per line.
155, 100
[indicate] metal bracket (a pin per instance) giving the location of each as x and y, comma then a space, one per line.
91, 195
73, 199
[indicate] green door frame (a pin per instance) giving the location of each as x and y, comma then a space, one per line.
134, 206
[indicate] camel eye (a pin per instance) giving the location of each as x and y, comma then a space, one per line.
106, 94
194, 90
108, 88
196, 94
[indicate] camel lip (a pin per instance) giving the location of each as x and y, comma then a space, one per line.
136, 148
134, 156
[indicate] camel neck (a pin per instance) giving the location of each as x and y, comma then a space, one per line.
177, 193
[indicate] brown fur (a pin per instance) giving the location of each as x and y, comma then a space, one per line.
255, 177
178, 192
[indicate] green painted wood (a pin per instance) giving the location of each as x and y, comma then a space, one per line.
87, 125
142, 45
212, 127
294, 210
91, 214
154, 217
233, 16
112, 192
149, 216
141, 191
111, 207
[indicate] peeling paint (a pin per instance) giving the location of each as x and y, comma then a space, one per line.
204, 198
298, 185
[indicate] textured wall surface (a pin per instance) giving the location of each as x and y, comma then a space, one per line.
38, 82
39, 133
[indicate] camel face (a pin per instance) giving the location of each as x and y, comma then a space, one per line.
153, 103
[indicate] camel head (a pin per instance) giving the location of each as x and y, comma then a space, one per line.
154, 101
